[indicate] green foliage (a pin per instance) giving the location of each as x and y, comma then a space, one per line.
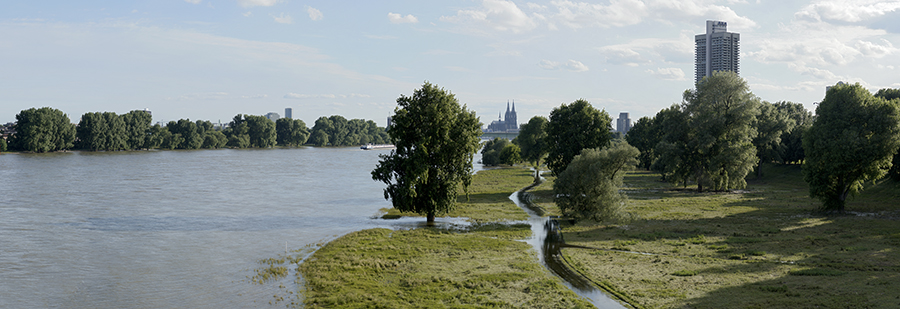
2, 144
430, 161
640, 137
589, 188
291, 132
490, 152
213, 139
338, 131
185, 135
677, 156
572, 128
791, 146
852, 140
137, 129
156, 136
711, 141
771, 124
892, 95
42, 130
101, 131
510, 154
254, 131
532, 140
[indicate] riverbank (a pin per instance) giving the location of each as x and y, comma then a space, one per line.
481, 266
763, 247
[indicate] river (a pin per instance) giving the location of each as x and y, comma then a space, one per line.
172, 229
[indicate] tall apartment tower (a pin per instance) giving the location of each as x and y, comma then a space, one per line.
288, 113
716, 50
623, 124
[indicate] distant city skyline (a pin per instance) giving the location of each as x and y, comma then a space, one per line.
211, 60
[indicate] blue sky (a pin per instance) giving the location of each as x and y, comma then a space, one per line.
213, 59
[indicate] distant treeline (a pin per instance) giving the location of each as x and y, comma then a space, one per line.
47, 129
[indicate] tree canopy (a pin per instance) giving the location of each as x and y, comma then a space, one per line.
770, 125
589, 188
490, 151
892, 95
42, 130
435, 139
572, 128
291, 132
532, 141
338, 131
852, 140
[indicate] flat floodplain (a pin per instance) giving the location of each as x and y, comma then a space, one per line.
763, 247
483, 265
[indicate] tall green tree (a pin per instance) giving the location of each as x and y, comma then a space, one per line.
190, 134
572, 128
42, 130
791, 146
532, 142
251, 131
590, 187
644, 135
852, 140
722, 112
894, 96
137, 129
291, 132
770, 125
511, 154
677, 154
435, 139
490, 151
102, 131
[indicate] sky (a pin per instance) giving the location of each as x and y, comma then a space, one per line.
214, 59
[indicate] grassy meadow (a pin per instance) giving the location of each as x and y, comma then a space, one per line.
762, 247
482, 267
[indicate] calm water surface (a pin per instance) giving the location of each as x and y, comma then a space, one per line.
170, 229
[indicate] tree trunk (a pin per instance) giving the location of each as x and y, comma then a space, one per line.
430, 219
758, 170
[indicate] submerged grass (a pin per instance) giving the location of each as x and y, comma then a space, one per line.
763, 247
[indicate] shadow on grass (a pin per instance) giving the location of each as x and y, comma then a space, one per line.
766, 247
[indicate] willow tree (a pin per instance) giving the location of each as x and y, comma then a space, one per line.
590, 187
852, 140
435, 140
722, 112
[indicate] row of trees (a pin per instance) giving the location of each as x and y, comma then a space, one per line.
46, 129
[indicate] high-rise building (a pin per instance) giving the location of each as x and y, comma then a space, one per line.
716, 50
623, 124
273, 116
288, 113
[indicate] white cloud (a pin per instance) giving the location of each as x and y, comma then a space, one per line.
623, 54
283, 19
252, 3
668, 73
400, 19
381, 37
809, 47
576, 66
314, 14
247, 14
571, 65
548, 65
193, 1
458, 69
846, 11
497, 15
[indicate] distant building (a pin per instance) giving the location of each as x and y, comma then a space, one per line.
623, 124
716, 50
288, 113
506, 124
273, 116
838, 84
390, 121
147, 110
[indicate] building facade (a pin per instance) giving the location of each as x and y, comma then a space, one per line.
716, 50
509, 122
288, 113
623, 124
273, 116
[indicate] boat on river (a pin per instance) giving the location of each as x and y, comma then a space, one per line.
376, 146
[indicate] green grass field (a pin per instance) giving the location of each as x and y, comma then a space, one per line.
483, 267
762, 247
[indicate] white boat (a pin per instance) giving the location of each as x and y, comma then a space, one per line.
376, 146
